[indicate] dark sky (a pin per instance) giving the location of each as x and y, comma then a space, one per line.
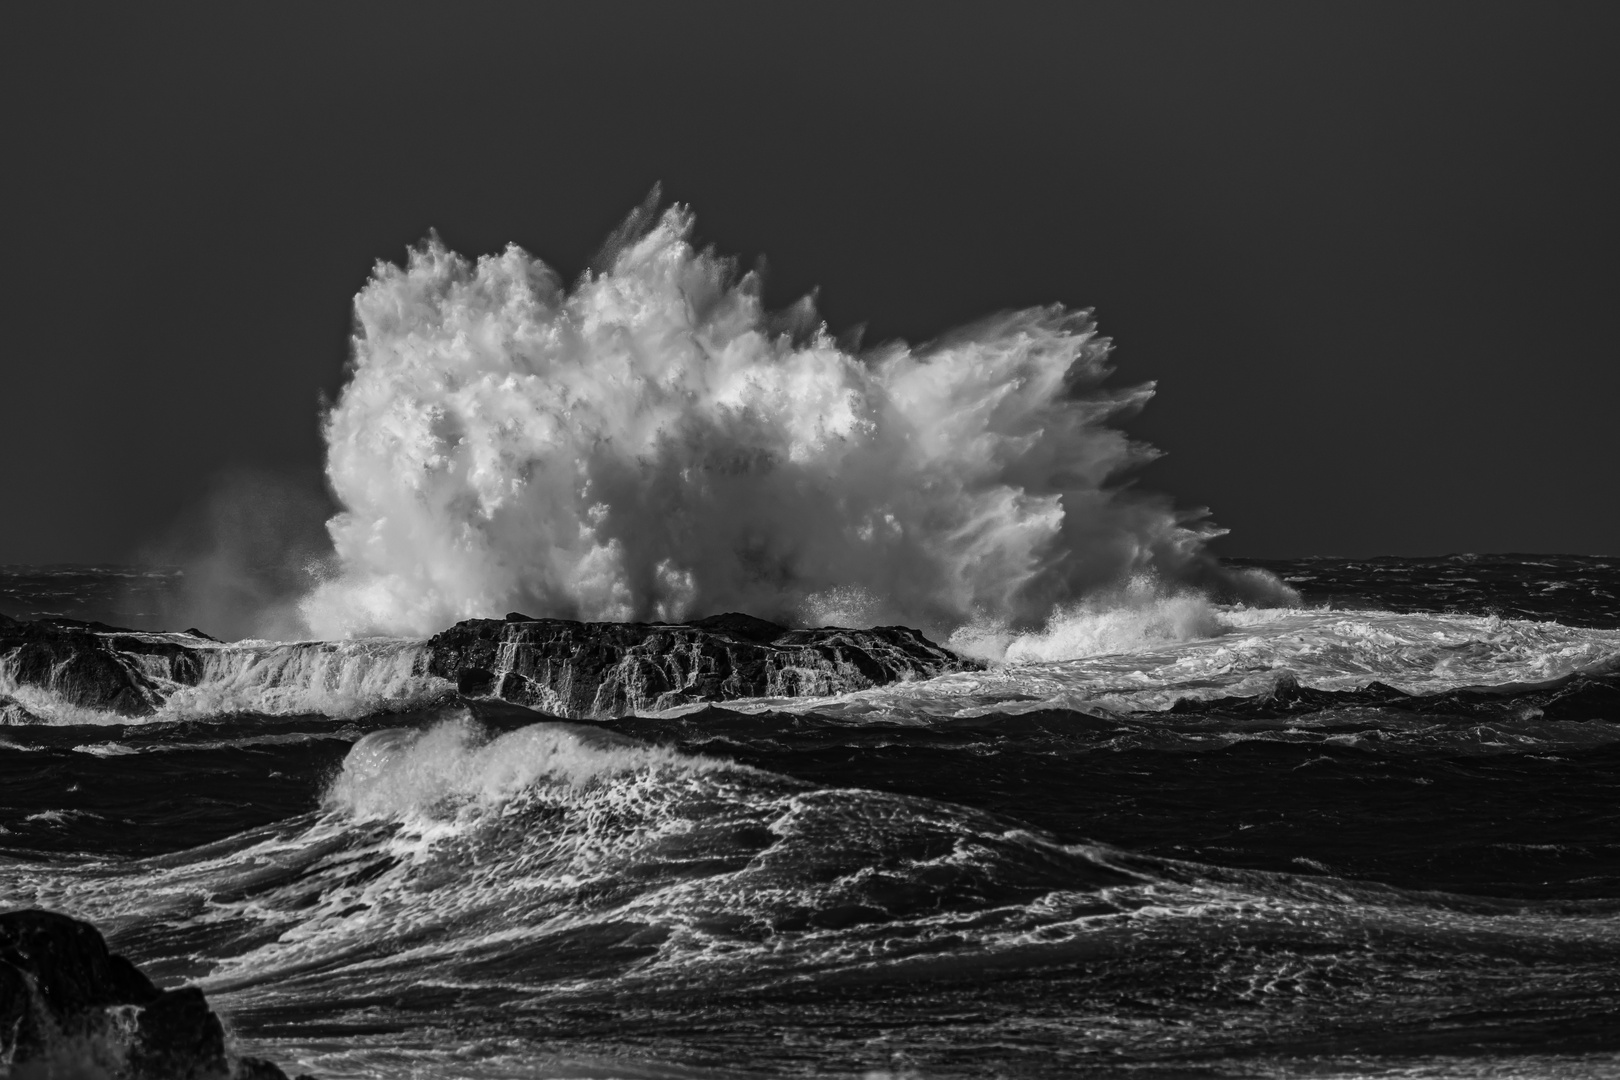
1368, 250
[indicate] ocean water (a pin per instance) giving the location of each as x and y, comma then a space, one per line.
1373, 833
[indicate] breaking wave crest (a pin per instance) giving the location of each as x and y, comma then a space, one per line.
454, 857
653, 443
1141, 615
409, 773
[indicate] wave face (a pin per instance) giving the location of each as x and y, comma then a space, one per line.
654, 444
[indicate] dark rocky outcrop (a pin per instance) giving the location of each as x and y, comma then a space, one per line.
95, 666
67, 1001
599, 670
574, 669
12, 714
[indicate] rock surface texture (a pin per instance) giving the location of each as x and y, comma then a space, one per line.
70, 1007
599, 670
572, 669
94, 666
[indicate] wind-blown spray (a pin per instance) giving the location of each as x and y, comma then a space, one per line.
645, 446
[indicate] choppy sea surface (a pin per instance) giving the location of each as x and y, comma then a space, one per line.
1378, 834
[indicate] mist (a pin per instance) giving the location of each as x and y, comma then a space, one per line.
248, 551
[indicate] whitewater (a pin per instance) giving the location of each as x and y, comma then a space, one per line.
653, 443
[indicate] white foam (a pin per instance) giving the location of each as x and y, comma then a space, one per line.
106, 749
31, 704
1142, 615
62, 817
1131, 659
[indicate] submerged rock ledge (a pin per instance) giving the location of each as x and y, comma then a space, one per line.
71, 1007
572, 669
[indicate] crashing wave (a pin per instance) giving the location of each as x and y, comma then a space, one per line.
1141, 615
654, 444
412, 773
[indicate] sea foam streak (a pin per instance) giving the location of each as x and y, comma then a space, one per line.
645, 445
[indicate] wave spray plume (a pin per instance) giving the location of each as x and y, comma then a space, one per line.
646, 445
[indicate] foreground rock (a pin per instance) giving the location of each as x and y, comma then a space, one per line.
69, 1007
600, 670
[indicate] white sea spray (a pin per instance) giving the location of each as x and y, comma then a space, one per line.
647, 445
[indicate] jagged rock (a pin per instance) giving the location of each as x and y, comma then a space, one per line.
64, 995
12, 714
178, 1036
95, 666
573, 669
598, 670
69, 965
